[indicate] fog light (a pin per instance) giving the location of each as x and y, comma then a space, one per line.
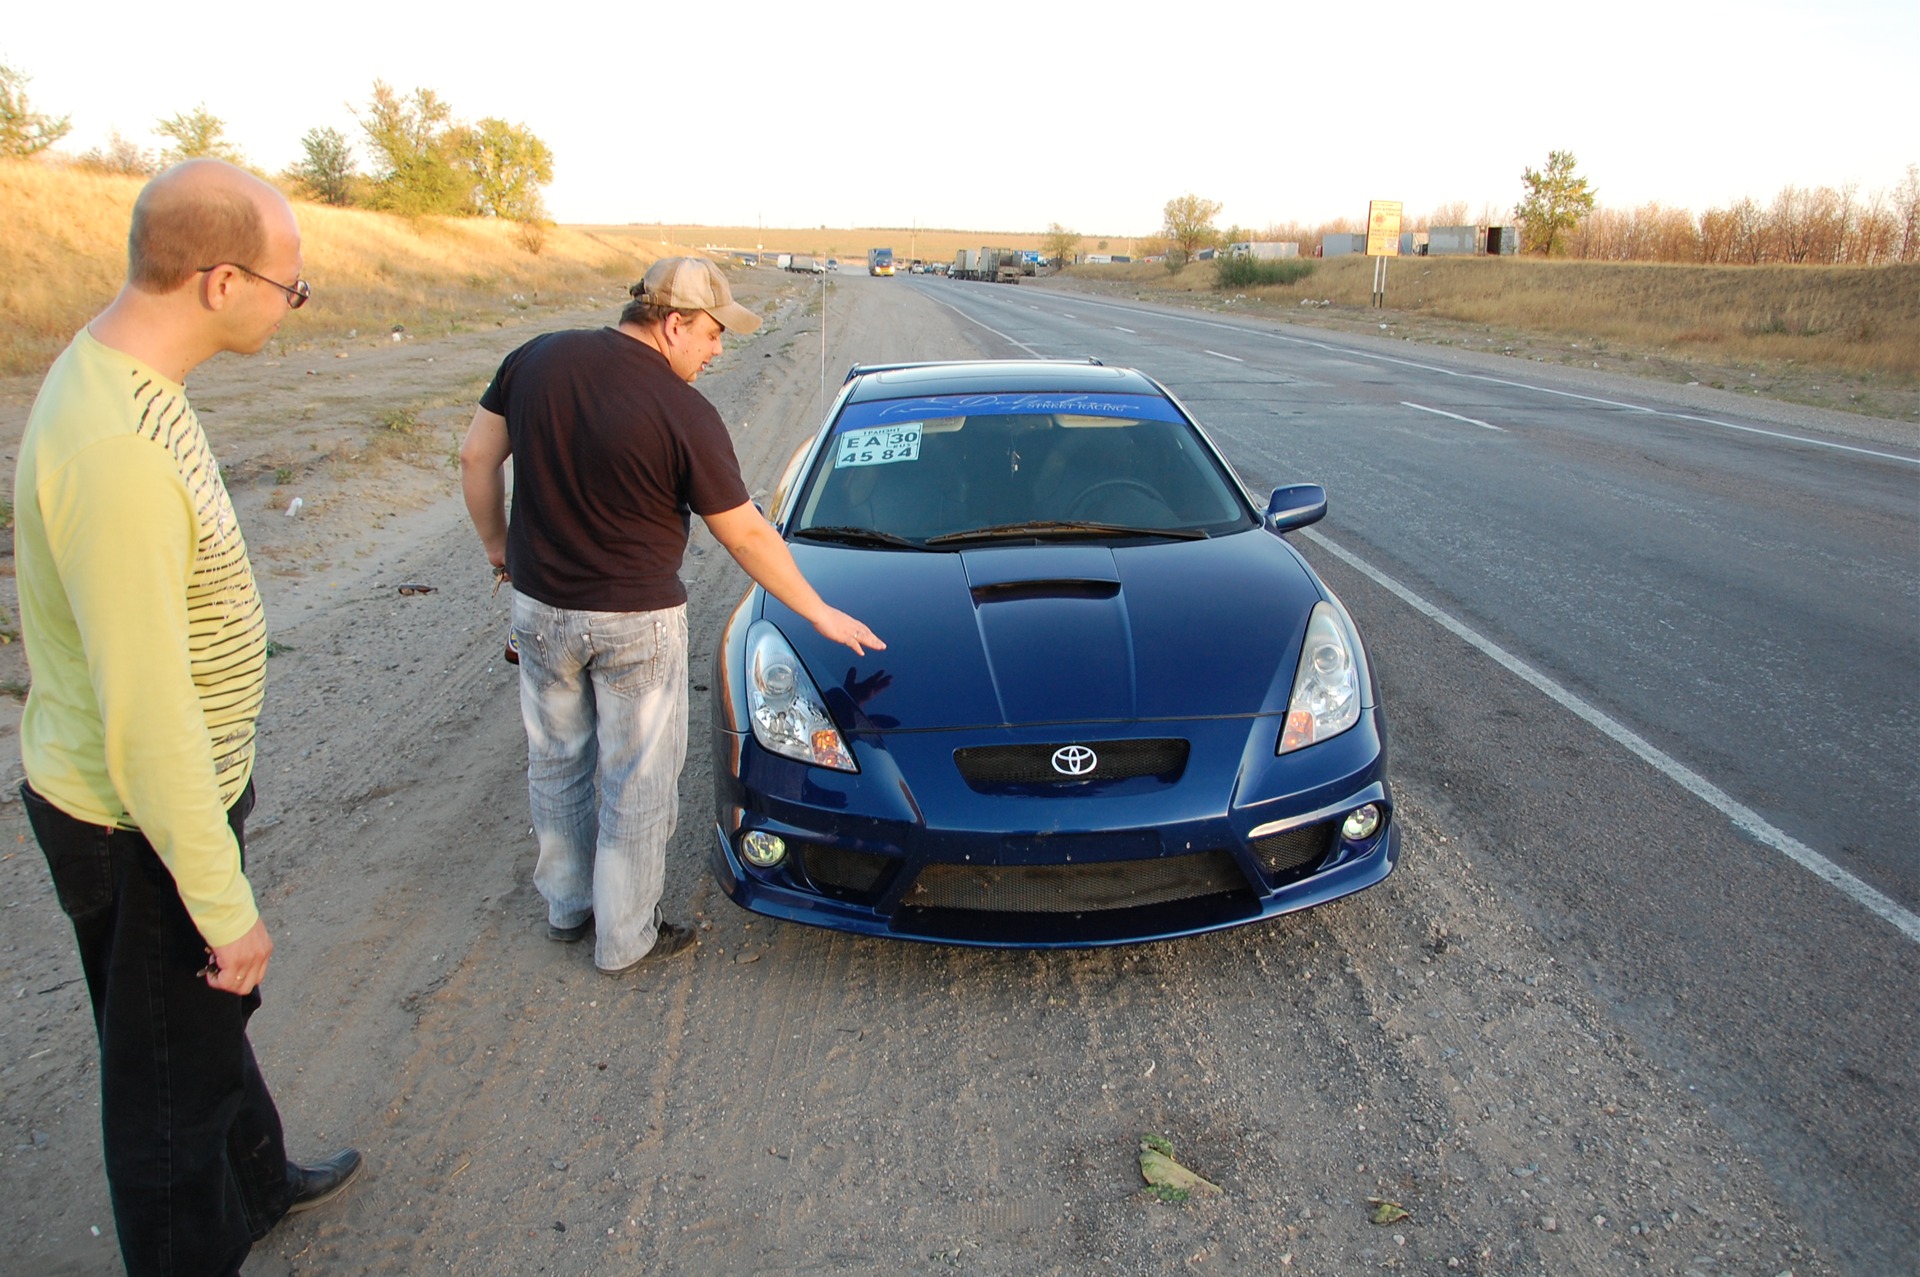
1361, 823
763, 850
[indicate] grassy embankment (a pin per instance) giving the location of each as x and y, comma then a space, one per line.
1845, 337
1841, 336
63, 256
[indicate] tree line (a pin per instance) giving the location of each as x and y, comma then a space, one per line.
421, 158
1559, 215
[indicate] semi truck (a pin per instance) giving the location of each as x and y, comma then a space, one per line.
992, 265
879, 261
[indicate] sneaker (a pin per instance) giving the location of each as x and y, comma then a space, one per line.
669, 938
570, 935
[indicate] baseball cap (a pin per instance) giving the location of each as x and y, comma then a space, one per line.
694, 283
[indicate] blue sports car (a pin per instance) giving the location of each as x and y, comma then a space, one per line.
1115, 704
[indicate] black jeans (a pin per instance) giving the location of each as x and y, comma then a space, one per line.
195, 1159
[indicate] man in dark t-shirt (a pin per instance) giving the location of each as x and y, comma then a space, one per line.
613, 453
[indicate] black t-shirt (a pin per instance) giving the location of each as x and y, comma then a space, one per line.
612, 454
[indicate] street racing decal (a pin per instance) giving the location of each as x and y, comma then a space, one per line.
860, 416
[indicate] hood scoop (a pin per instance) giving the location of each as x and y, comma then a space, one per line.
1050, 588
1042, 572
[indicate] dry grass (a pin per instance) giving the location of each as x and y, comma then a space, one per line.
63, 255
62, 252
1857, 320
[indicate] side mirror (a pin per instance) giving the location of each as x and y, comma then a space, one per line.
1295, 506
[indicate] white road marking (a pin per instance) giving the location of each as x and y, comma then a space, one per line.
1441, 412
1128, 331
990, 328
1743, 817
1217, 355
1524, 385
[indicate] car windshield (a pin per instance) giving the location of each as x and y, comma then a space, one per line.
956, 470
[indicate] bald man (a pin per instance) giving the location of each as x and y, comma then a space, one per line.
147, 643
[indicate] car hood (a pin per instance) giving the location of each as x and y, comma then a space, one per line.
1014, 635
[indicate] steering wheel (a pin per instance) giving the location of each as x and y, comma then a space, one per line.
1090, 499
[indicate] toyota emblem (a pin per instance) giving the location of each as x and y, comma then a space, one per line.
1074, 760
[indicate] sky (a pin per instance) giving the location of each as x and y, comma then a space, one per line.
998, 115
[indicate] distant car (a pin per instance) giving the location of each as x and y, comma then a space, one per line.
1115, 704
833, 263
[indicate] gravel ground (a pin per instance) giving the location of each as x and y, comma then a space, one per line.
787, 1099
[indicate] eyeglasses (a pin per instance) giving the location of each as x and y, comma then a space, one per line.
296, 295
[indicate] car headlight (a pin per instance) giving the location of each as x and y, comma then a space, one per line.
1327, 683
784, 706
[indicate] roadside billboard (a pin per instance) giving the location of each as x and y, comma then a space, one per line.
1383, 228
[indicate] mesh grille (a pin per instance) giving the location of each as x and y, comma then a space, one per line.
989, 765
850, 875
1295, 851
1076, 888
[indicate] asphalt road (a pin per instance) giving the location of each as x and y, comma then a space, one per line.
1665, 661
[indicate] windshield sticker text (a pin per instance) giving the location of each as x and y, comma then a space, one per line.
878, 446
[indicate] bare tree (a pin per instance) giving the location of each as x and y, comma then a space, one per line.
1749, 227
1873, 233
1906, 213
120, 156
1716, 235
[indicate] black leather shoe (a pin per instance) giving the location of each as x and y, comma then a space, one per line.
310, 1186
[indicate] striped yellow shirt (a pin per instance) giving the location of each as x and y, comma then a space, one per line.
143, 624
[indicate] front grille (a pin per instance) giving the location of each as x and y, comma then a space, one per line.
1295, 852
986, 766
844, 874
1075, 888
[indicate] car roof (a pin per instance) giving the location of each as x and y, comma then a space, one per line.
977, 376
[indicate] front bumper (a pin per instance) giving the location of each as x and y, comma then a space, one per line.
1242, 835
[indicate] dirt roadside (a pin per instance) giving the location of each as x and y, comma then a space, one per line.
789, 1099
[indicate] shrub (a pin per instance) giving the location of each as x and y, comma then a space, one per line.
1248, 272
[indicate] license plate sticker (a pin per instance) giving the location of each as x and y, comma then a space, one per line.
878, 446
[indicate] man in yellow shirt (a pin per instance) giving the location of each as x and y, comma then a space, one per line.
147, 643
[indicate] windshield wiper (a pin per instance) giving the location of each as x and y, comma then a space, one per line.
858, 536
1063, 528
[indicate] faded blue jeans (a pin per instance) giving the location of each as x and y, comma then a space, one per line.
604, 699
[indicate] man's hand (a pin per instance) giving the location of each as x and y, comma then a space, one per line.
755, 546
841, 628
238, 967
